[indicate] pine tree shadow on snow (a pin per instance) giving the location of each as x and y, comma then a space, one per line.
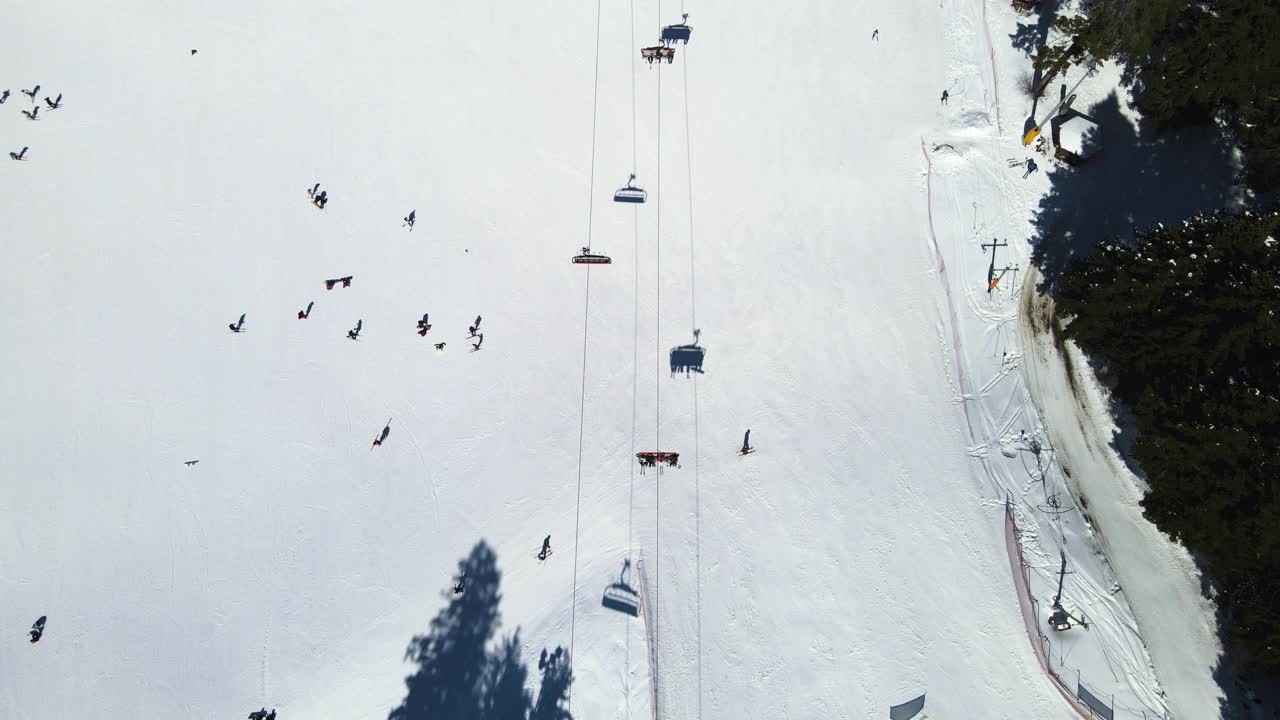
1132, 180
459, 676
1028, 38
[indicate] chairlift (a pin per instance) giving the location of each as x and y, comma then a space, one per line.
679, 32
1059, 620
658, 53
620, 597
631, 193
586, 257
651, 459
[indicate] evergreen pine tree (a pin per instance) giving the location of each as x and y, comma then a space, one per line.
1187, 319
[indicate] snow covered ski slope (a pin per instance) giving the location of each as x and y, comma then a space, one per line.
796, 215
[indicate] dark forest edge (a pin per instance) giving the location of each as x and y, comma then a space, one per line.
1183, 316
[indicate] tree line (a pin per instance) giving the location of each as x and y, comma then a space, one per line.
1185, 317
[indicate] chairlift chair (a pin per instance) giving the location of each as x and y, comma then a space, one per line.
586, 257
651, 459
631, 193
658, 53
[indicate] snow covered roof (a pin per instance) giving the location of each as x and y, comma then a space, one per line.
1071, 130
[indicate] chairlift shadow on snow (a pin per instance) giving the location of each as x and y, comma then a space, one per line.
457, 674
620, 595
687, 358
679, 32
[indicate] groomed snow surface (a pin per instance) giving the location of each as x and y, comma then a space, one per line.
799, 215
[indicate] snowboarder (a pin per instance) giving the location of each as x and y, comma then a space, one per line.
191, 463
54, 104
477, 322
746, 443
33, 113
1031, 167
385, 432
37, 629
304, 314
237, 326
460, 585
19, 155
476, 345
258, 714
32, 93
354, 333
4, 97
945, 94
875, 34
410, 218
424, 324
546, 548
439, 347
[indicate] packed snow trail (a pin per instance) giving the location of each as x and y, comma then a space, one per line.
853, 565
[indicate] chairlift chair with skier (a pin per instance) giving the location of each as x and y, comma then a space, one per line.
630, 193
586, 257
658, 53
651, 459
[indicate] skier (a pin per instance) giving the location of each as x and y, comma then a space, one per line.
746, 442
945, 95
440, 347
471, 329
4, 97
410, 218
385, 432
312, 192
304, 314
32, 93
19, 155
33, 113
238, 326
476, 345
875, 34
460, 585
1031, 167
258, 714
321, 199
54, 104
37, 629
193, 51
354, 333
546, 548
424, 324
